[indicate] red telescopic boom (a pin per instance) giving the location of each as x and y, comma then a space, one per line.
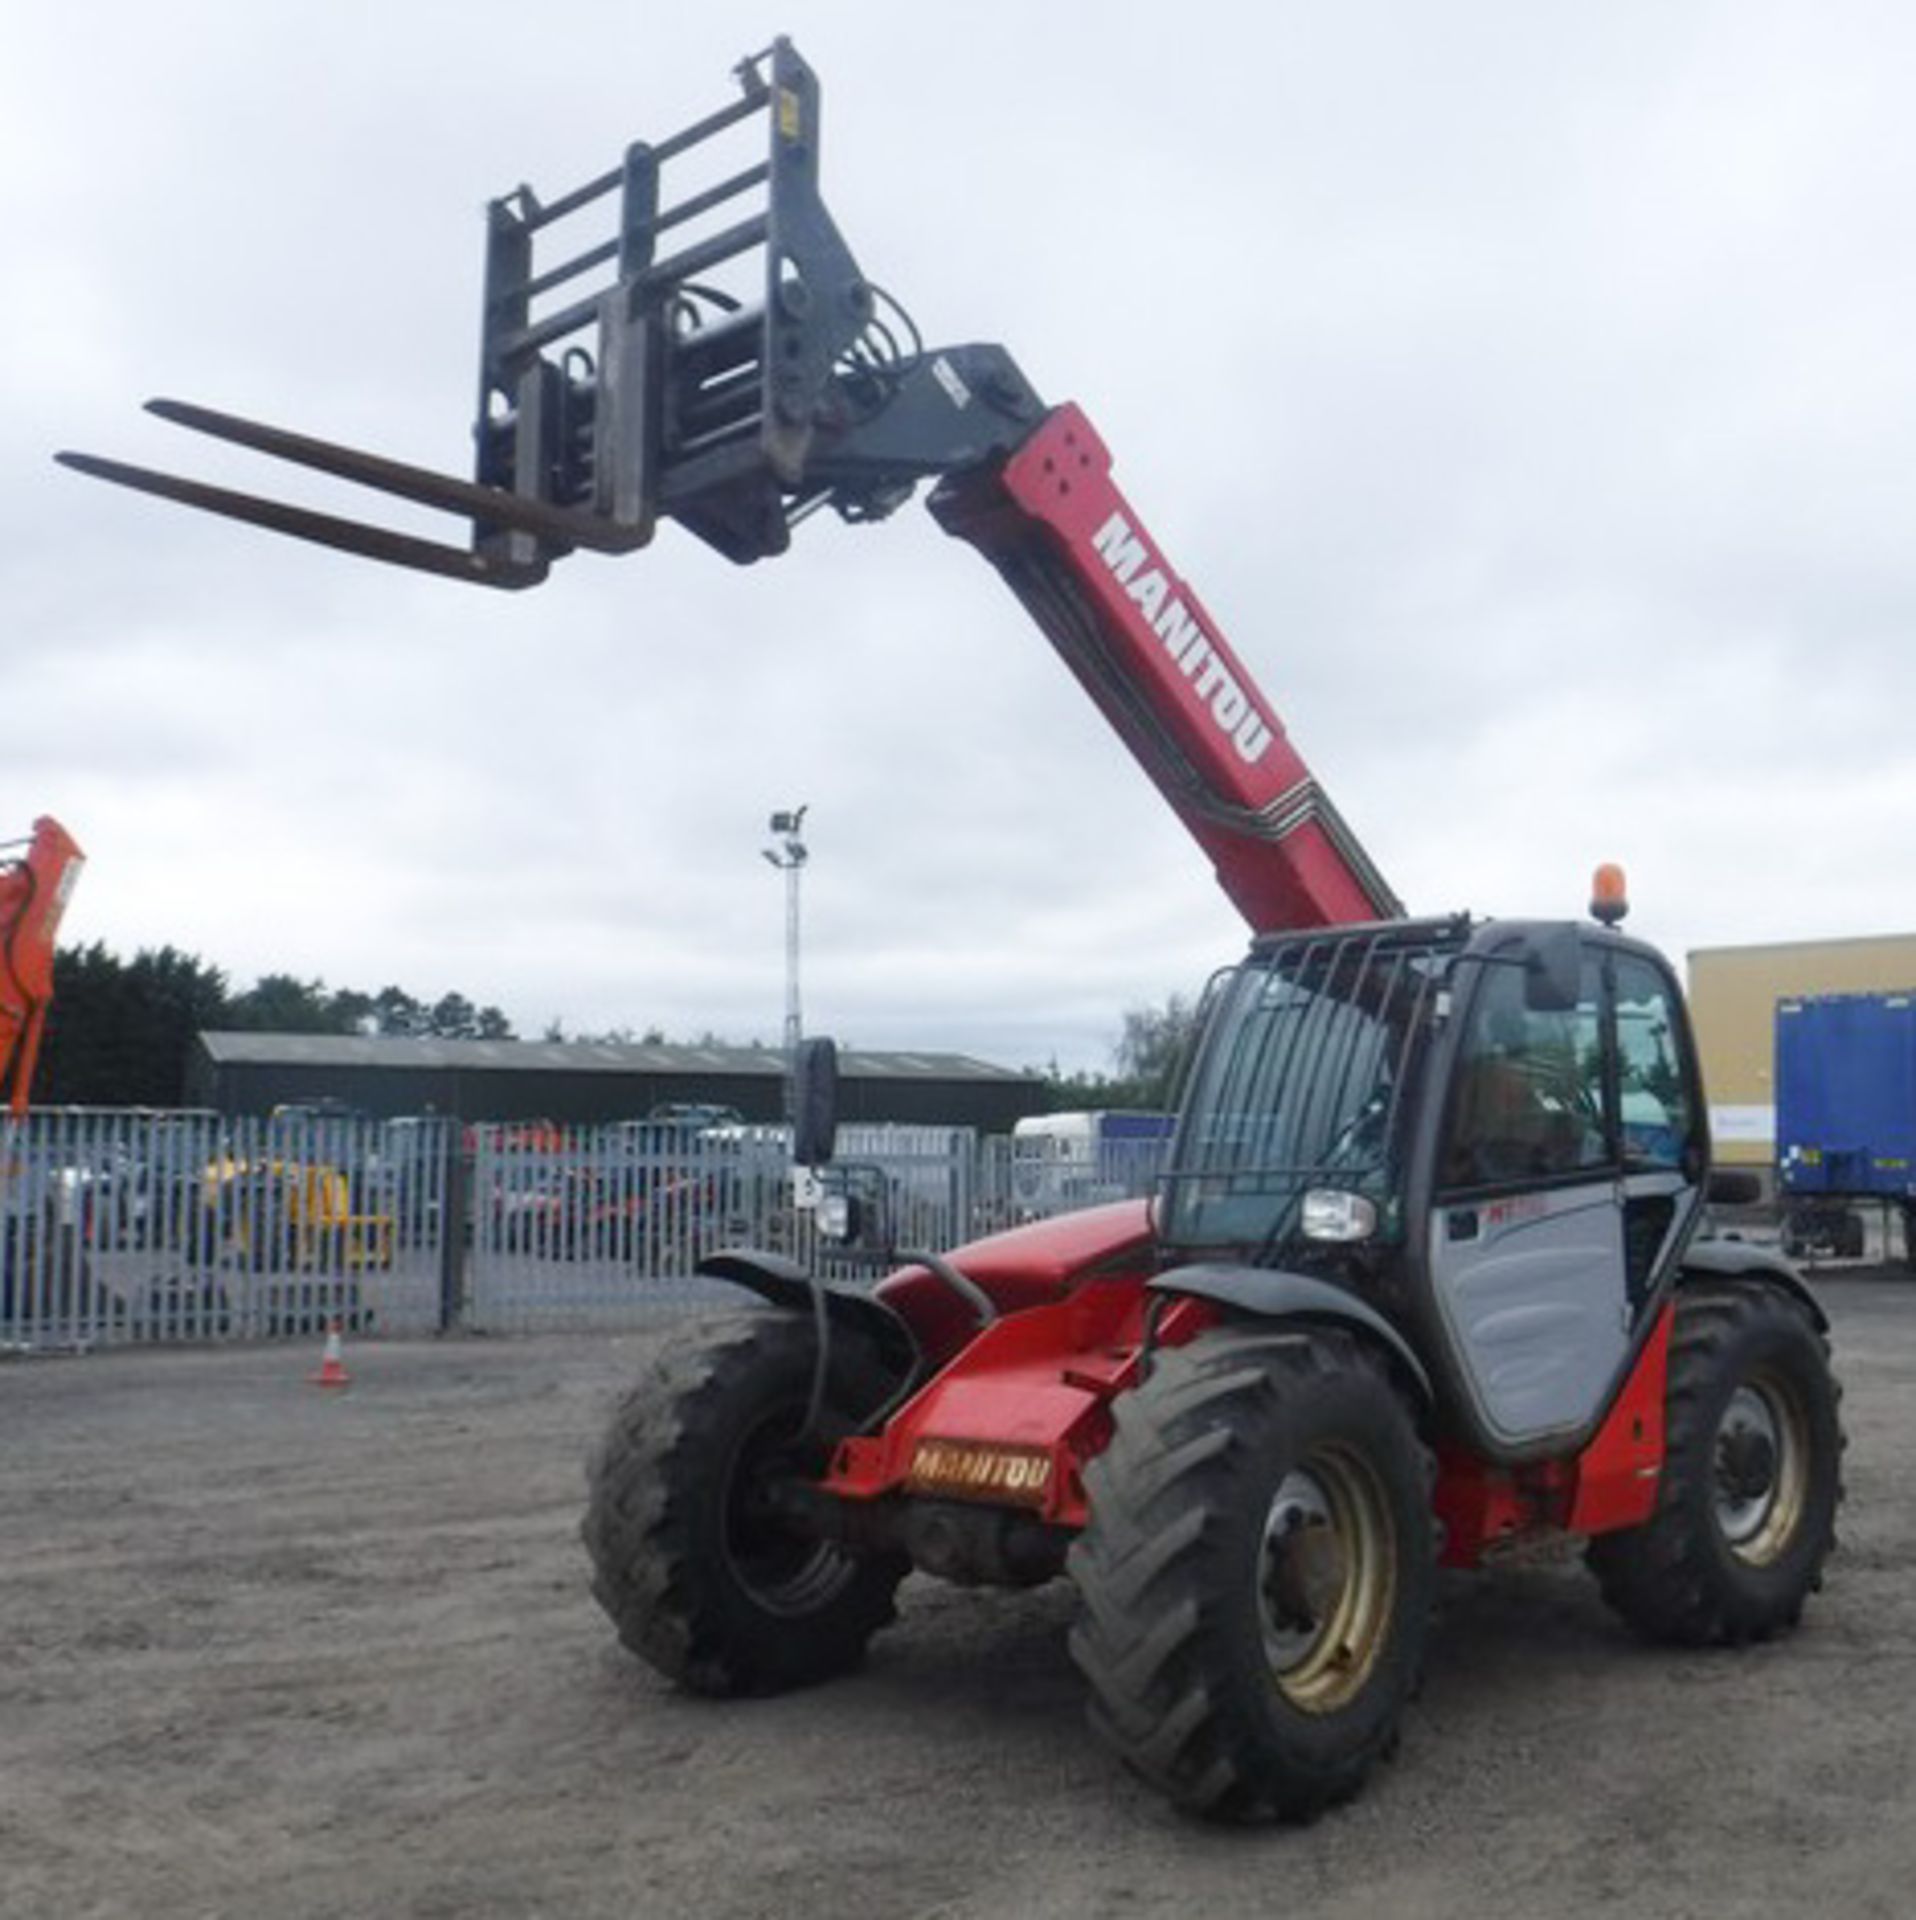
1070, 546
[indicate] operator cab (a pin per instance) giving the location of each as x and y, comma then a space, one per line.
1492, 1132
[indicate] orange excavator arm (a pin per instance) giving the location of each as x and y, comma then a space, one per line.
34, 888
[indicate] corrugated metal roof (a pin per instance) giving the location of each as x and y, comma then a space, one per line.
572, 1056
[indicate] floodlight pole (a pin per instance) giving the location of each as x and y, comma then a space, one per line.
790, 858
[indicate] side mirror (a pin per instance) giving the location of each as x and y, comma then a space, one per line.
814, 1102
1553, 971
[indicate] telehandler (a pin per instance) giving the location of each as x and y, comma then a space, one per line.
1426, 1282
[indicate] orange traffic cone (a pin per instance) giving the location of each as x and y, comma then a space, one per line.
332, 1366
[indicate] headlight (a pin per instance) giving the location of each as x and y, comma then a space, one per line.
834, 1216
1330, 1214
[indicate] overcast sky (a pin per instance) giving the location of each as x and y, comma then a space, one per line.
1527, 388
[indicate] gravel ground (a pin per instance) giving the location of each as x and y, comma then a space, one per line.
267, 1649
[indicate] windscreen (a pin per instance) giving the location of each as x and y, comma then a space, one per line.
1299, 1083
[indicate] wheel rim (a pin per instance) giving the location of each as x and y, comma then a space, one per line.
1326, 1580
784, 1570
1760, 1469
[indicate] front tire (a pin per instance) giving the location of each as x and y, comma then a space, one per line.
701, 1573
1752, 1477
1257, 1572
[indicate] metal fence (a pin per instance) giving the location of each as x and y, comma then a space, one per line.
121, 1226
589, 1226
165, 1226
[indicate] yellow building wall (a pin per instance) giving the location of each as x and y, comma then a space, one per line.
1733, 996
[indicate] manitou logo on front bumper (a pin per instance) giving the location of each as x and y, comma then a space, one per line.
1184, 639
979, 1471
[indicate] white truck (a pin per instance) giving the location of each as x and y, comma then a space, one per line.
1065, 1160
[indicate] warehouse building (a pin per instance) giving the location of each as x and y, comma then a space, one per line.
582, 1083
1733, 996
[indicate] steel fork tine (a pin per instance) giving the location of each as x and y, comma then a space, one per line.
326, 530
491, 505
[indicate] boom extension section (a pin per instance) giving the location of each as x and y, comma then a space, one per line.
1139, 641
719, 359
34, 887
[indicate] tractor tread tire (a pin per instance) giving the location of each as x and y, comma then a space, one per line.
1178, 1683
1673, 1579
658, 1492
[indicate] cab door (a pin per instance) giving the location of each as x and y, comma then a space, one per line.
1659, 1124
1526, 1237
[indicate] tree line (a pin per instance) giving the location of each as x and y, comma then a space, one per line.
121, 1032
1148, 1057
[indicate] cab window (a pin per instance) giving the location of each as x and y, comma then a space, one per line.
1528, 1099
1654, 1102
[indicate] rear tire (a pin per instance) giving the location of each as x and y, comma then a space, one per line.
1752, 1477
1257, 1572
701, 1575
